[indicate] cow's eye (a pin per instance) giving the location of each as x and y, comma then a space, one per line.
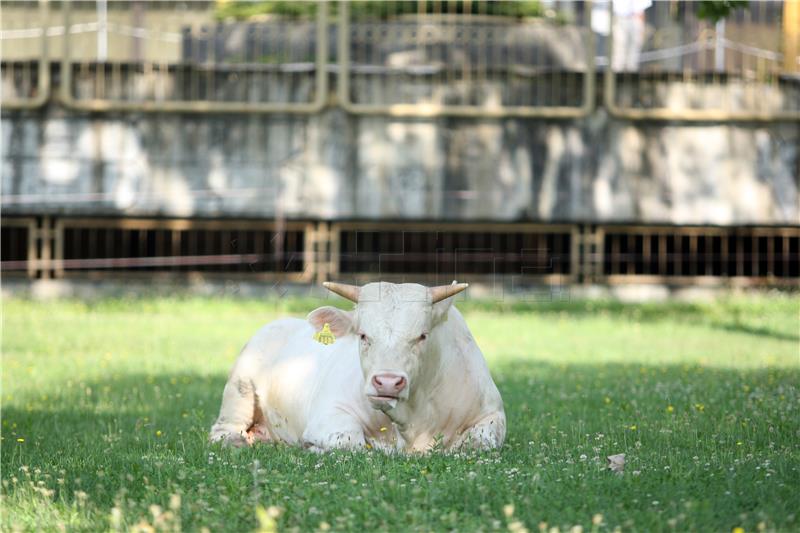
423, 336
363, 337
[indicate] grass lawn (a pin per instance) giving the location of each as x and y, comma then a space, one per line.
106, 407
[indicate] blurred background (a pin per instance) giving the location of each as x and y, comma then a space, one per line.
538, 147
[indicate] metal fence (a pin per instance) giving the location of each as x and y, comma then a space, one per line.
409, 58
26, 79
502, 255
285, 73
675, 65
463, 58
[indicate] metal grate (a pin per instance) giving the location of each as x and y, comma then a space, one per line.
702, 253
452, 251
512, 254
14, 247
129, 246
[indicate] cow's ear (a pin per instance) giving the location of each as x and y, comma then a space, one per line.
341, 322
440, 310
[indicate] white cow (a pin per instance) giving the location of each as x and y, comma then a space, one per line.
404, 373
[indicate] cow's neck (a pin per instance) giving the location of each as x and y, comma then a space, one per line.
419, 416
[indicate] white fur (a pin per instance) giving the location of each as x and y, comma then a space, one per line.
316, 395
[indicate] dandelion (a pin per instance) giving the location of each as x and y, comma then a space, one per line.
267, 519
324, 526
158, 433
116, 519
607, 400
670, 409
737, 529
175, 502
383, 429
20, 439
597, 519
632, 427
508, 510
517, 527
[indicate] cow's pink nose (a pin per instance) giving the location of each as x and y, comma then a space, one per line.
388, 384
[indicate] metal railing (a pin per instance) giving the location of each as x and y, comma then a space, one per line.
451, 58
699, 255
677, 66
146, 247
419, 59
26, 80
512, 255
18, 246
522, 253
289, 77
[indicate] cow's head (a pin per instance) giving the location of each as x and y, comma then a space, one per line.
394, 325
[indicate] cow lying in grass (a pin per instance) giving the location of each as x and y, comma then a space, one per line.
404, 373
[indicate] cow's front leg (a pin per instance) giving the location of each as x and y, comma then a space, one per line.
332, 431
488, 433
237, 414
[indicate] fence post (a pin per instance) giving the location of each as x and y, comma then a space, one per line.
41, 240
791, 36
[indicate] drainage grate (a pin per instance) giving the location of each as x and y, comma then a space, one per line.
477, 251
695, 252
14, 248
187, 248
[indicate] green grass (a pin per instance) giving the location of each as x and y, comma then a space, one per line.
106, 407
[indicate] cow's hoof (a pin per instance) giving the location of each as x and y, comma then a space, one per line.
234, 440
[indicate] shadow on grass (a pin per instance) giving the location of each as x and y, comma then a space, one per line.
759, 331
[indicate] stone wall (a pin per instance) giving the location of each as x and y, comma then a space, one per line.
339, 166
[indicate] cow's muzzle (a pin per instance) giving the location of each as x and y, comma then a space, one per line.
385, 389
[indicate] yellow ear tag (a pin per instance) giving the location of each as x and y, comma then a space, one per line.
325, 336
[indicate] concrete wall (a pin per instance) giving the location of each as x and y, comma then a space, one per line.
339, 166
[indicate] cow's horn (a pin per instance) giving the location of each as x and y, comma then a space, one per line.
446, 291
343, 289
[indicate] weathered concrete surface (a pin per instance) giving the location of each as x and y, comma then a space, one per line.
339, 166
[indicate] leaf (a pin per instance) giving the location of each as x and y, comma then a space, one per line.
616, 463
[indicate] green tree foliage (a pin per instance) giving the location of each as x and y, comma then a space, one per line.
716, 10
242, 10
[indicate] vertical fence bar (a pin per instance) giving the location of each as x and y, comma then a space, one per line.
42, 92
